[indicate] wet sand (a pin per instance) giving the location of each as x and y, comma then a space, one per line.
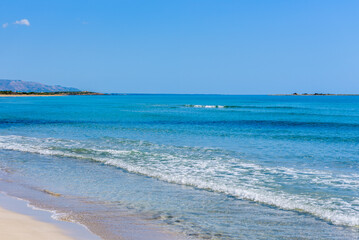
17, 226
18, 221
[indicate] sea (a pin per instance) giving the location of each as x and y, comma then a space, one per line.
143, 166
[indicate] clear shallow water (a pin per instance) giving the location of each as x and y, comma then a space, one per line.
221, 167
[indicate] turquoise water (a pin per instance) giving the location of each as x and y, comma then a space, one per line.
206, 166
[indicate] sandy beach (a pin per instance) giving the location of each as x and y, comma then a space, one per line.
19, 221
14, 226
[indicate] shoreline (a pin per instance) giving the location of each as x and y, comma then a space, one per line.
20, 220
49, 95
74, 228
4, 95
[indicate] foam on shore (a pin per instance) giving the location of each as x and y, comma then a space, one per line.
175, 165
25, 221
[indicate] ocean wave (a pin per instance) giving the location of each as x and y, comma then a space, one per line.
240, 106
206, 106
211, 169
259, 123
224, 122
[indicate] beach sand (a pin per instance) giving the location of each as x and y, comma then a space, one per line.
15, 226
19, 221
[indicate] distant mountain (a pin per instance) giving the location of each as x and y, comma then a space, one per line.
24, 86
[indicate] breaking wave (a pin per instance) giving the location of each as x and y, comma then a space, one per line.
240, 106
210, 169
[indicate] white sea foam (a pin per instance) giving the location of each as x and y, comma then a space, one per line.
210, 169
54, 214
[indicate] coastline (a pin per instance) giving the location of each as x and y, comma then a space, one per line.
67, 224
18, 220
142, 166
48, 95
5, 95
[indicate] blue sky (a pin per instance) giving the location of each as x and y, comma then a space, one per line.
184, 46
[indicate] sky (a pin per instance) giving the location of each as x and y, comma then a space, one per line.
183, 46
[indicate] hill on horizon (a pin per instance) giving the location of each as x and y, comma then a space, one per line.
25, 86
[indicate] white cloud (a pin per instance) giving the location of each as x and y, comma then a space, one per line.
23, 22
5, 25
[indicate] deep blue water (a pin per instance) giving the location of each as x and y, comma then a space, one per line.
208, 166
